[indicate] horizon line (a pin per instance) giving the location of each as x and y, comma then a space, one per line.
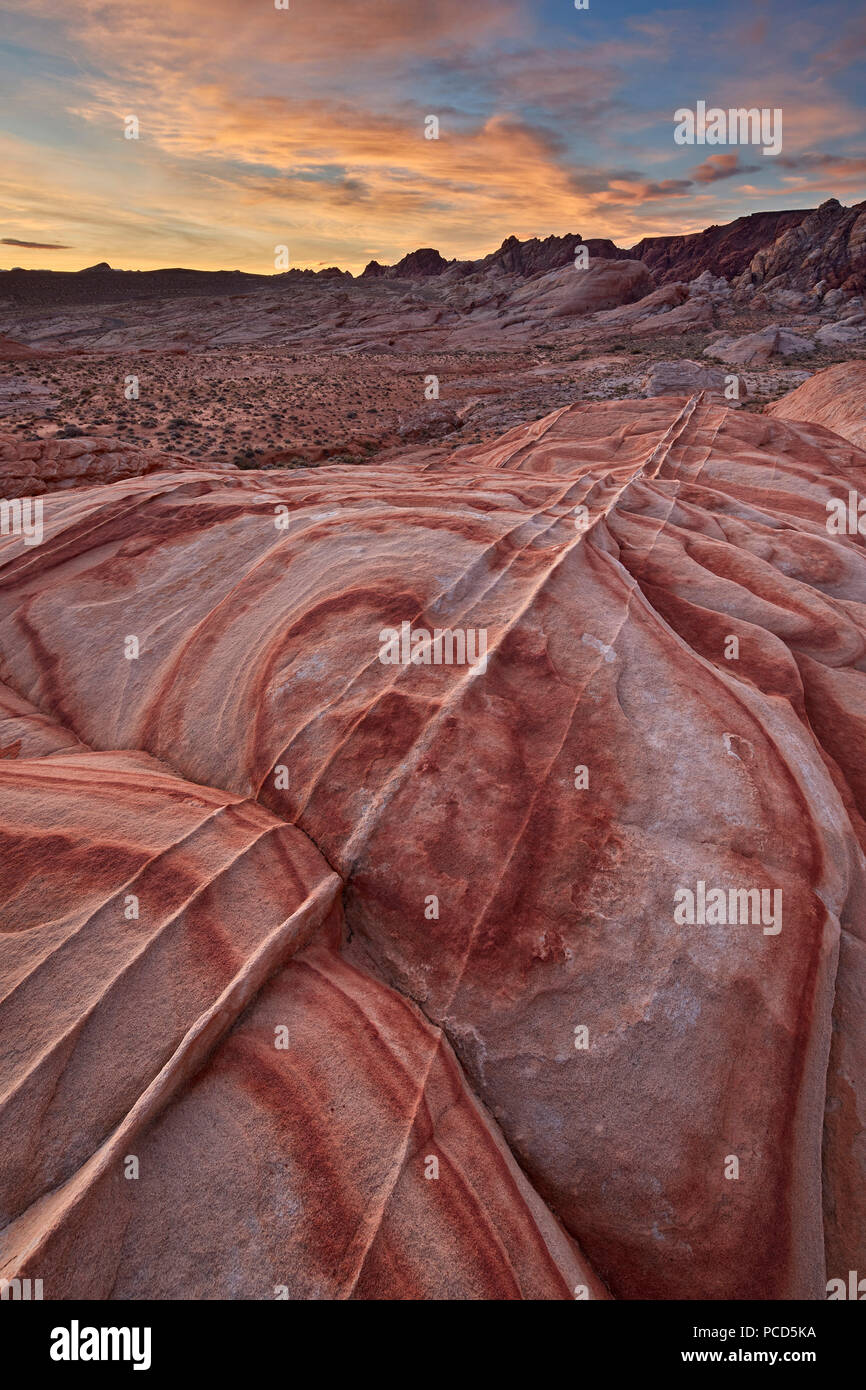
97, 267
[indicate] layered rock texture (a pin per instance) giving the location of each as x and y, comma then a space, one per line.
199, 1103
827, 247
30, 467
723, 250
333, 977
835, 398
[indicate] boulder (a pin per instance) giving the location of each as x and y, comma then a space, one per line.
847, 334
431, 421
681, 376
707, 283
757, 349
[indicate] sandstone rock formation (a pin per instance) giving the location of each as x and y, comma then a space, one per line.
844, 334
571, 292
827, 245
835, 398
421, 263
507, 990
375, 311
318, 1148
46, 465
804, 247
708, 283
10, 351
756, 349
659, 301
514, 257
809, 253
675, 377
173, 907
722, 250
538, 256
694, 315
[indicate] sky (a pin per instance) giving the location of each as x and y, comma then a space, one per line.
304, 127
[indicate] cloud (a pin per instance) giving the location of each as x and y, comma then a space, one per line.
838, 164
637, 190
35, 245
721, 166
197, 36
306, 126
848, 49
822, 173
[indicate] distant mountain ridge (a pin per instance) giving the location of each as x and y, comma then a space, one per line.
724, 249
800, 248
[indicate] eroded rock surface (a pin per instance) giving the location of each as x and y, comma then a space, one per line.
835, 398
287, 1155
28, 468
755, 349
664, 609
826, 246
